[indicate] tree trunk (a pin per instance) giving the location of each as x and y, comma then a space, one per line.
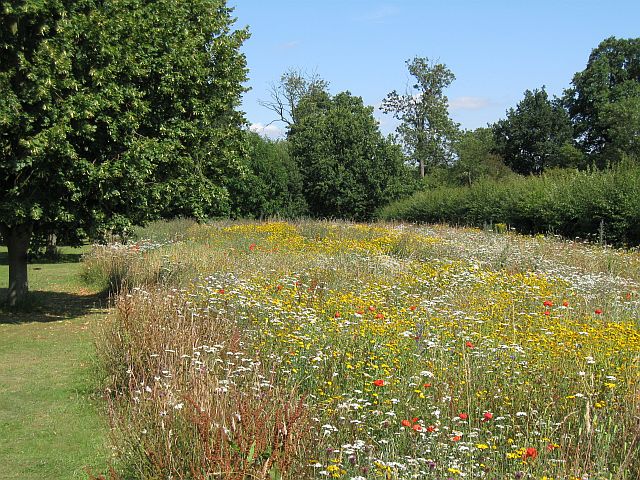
420, 153
52, 245
17, 239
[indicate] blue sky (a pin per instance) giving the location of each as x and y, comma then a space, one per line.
496, 49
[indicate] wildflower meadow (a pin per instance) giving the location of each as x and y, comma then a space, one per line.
369, 351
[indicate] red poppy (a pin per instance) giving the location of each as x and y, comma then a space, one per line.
337, 315
530, 453
598, 311
360, 312
427, 385
417, 427
252, 247
548, 303
379, 316
469, 345
565, 304
547, 312
221, 291
378, 383
279, 287
406, 423
463, 416
372, 308
412, 308
431, 428
415, 419
487, 416
456, 438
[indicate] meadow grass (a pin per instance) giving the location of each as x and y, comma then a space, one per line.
50, 420
315, 349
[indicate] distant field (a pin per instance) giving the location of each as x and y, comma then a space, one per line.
315, 349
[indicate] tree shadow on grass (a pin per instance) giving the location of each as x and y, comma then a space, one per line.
58, 258
47, 306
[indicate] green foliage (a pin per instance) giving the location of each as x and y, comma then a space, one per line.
535, 136
604, 101
599, 205
117, 112
348, 169
271, 185
425, 128
114, 113
476, 160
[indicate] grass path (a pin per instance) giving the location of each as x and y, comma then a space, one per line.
50, 424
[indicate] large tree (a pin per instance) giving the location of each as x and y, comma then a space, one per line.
113, 112
604, 101
348, 168
536, 135
423, 110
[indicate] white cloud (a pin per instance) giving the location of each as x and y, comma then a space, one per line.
289, 45
271, 131
469, 103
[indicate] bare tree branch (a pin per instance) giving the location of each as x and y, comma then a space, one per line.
286, 94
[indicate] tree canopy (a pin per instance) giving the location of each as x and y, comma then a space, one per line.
348, 168
285, 95
112, 113
536, 135
604, 101
271, 185
426, 128
476, 158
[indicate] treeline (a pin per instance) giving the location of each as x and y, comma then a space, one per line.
335, 163
291, 179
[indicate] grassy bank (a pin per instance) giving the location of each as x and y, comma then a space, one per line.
50, 424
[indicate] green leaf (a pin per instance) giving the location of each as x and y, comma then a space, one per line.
274, 473
251, 453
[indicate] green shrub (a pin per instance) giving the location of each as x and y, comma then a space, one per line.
597, 205
271, 185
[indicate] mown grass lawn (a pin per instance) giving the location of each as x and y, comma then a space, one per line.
50, 423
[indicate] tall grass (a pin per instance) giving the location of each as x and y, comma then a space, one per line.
601, 206
375, 351
188, 399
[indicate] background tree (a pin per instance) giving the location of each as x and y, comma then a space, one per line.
604, 101
271, 185
112, 113
348, 168
425, 129
293, 86
535, 135
476, 159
